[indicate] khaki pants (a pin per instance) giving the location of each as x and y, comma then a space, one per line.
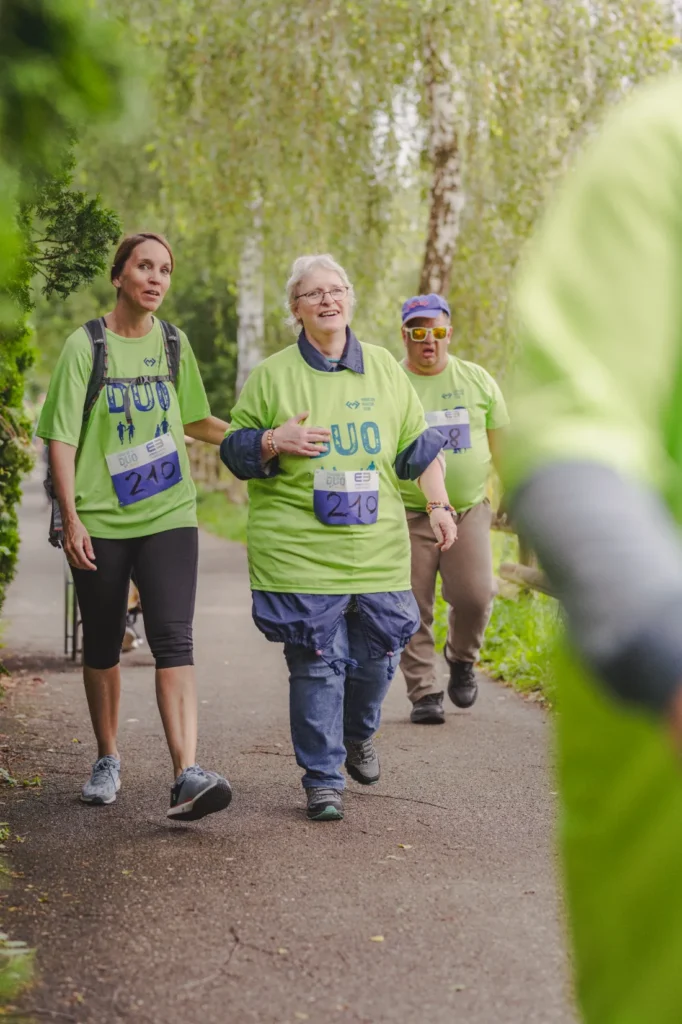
468, 587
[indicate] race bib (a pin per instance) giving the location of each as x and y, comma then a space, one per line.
453, 425
346, 498
145, 470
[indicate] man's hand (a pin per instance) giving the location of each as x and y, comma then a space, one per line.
78, 546
444, 528
294, 439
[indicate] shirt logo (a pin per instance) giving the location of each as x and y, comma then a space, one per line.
353, 405
150, 362
457, 393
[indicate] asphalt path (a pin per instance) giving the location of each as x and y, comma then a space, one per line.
435, 900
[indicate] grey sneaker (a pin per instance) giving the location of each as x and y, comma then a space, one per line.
362, 761
428, 710
197, 793
462, 688
324, 804
104, 783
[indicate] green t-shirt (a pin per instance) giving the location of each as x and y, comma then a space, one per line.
372, 416
156, 409
600, 379
471, 393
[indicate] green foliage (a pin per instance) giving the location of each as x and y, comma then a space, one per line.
66, 239
59, 67
321, 111
220, 516
16, 968
537, 78
76, 235
15, 450
520, 642
201, 302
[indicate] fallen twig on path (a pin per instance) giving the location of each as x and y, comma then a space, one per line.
54, 1014
219, 970
273, 753
407, 799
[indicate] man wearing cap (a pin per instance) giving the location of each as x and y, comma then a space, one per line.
465, 404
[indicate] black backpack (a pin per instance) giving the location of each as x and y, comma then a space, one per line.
97, 333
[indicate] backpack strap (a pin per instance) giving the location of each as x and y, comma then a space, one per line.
96, 331
171, 342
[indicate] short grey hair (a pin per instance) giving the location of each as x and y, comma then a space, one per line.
301, 267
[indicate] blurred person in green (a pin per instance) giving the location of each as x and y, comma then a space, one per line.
594, 465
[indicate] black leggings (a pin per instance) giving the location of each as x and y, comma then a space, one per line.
165, 567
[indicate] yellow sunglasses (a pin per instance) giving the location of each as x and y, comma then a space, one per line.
422, 333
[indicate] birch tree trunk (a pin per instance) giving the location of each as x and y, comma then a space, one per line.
446, 196
251, 299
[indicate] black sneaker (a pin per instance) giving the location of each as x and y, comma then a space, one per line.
197, 793
428, 710
362, 761
462, 688
324, 804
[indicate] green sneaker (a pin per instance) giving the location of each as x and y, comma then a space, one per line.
324, 804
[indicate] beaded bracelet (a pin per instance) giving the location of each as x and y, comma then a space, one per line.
270, 441
431, 505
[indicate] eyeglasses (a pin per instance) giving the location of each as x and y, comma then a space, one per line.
316, 296
422, 333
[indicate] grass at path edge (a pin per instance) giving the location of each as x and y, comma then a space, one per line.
218, 515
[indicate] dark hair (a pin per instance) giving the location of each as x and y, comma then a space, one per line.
128, 246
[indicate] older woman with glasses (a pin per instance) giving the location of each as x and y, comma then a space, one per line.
323, 431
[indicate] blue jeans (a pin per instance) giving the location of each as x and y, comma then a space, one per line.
331, 700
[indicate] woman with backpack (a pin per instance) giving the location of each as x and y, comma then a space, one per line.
124, 392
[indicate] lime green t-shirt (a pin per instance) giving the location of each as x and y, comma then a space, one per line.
372, 416
471, 393
156, 409
600, 379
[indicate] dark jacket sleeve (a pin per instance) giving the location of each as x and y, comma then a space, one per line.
614, 555
241, 453
413, 460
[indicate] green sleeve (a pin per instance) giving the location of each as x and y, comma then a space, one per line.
413, 420
190, 387
599, 304
251, 407
61, 418
496, 415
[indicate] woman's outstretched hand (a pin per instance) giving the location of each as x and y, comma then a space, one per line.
294, 439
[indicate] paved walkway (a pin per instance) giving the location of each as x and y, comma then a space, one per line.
257, 915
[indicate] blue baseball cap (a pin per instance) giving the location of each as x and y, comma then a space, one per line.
425, 305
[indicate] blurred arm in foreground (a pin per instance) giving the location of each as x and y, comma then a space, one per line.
593, 465
595, 452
